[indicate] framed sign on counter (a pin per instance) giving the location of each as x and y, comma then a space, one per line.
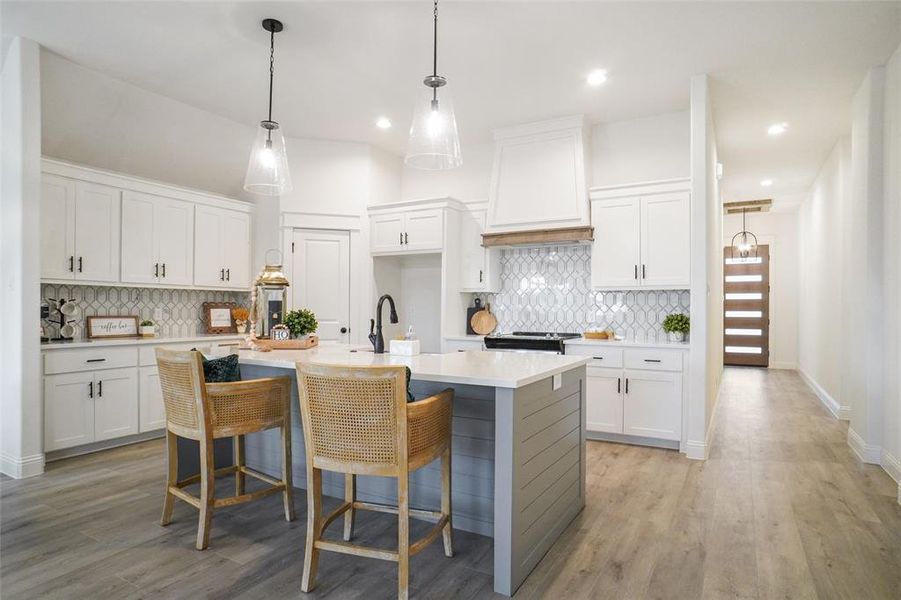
112, 326
217, 316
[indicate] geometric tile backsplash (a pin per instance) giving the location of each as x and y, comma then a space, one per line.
181, 309
549, 289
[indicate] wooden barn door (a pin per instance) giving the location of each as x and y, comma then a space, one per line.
746, 308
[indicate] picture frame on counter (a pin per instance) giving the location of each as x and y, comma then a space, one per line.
217, 317
112, 326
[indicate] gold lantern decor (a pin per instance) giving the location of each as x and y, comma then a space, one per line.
268, 300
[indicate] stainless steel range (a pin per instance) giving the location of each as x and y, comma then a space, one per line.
529, 341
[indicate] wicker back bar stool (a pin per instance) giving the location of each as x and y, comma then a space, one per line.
357, 421
206, 411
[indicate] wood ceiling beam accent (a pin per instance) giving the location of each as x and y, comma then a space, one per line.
564, 235
737, 206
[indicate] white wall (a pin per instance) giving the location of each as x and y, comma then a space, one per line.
21, 449
780, 232
647, 149
821, 239
706, 350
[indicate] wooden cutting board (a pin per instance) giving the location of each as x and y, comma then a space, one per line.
483, 322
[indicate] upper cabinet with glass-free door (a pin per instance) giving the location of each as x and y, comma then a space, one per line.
221, 248
408, 227
79, 230
157, 239
641, 236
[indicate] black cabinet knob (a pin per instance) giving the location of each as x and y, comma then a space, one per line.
344, 330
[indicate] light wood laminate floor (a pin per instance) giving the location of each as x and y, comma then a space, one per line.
782, 509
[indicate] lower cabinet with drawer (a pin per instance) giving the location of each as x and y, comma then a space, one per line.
633, 391
89, 406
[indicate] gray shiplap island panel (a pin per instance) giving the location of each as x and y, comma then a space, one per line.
518, 465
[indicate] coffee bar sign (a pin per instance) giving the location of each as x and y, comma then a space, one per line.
112, 327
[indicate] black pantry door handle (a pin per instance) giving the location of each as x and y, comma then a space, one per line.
80, 263
90, 389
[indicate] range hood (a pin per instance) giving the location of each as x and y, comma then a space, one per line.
539, 189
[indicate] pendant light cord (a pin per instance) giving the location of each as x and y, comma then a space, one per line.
435, 42
271, 68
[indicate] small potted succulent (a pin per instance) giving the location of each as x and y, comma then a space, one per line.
147, 328
301, 323
676, 326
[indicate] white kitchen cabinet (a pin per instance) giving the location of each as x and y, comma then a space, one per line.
151, 411
641, 237
479, 266
68, 410
604, 400
652, 404
463, 344
616, 251
221, 248
115, 403
157, 239
409, 231
79, 230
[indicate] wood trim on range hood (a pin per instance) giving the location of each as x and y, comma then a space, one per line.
539, 237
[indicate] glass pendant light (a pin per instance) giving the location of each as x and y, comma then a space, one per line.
741, 241
434, 143
267, 170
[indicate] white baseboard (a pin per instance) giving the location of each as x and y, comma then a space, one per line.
838, 411
696, 450
866, 453
20, 468
891, 465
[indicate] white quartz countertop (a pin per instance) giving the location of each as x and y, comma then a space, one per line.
625, 344
494, 369
142, 341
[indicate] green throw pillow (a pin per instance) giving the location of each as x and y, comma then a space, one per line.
221, 370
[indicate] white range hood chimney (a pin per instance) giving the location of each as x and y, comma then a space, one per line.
539, 188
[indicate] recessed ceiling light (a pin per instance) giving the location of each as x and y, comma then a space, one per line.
597, 77
766, 182
383, 123
777, 129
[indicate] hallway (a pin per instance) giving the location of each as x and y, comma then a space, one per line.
781, 509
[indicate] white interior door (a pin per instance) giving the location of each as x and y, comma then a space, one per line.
320, 280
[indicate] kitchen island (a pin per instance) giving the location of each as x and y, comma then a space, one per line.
518, 443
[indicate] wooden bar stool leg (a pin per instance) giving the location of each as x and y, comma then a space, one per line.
287, 477
403, 536
238, 446
207, 493
447, 532
171, 476
314, 516
350, 495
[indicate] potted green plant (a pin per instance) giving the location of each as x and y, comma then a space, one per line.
676, 326
301, 323
147, 328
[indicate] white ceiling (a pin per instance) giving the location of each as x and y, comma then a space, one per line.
339, 65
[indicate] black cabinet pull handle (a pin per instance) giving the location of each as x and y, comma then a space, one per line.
228, 274
643, 276
221, 274
80, 263
627, 385
598, 357
406, 238
95, 360
156, 270
653, 360
90, 389
401, 238
100, 388
71, 264
164, 269
618, 385
480, 275
636, 271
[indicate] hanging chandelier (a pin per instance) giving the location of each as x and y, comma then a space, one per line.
434, 143
741, 241
267, 170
